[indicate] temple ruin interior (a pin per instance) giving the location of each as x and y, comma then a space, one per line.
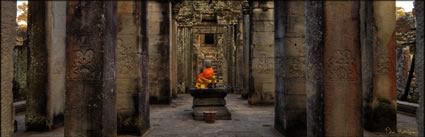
282, 68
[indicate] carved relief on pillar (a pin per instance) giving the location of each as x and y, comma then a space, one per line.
263, 64
384, 64
84, 65
340, 66
295, 67
127, 60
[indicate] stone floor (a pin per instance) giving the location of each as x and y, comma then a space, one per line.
175, 120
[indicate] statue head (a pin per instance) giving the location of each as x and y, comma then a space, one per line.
207, 63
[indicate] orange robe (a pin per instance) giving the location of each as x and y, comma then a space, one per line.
205, 78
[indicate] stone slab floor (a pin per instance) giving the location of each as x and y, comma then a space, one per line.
175, 120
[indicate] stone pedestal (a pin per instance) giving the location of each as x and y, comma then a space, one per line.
210, 100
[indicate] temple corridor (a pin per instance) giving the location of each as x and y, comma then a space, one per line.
271, 67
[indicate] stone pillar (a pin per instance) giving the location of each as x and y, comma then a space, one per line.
419, 64
159, 51
91, 71
262, 55
143, 85
35, 114
380, 111
173, 56
245, 49
333, 81
128, 58
7, 42
20, 60
56, 35
184, 62
240, 67
46, 73
290, 104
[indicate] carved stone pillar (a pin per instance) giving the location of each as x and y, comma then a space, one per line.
91, 71
245, 49
333, 81
56, 35
419, 64
128, 58
262, 53
35, 115
7, 42
143, 107
184, 62
290, 105
159, 51
174, 55
380, 111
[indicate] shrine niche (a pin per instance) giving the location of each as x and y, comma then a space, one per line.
207, 31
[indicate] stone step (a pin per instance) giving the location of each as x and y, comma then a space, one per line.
20, 106
407, 108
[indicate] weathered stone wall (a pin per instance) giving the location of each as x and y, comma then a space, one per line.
56, 34
380, 112
262, 48
290, 105
159, 13
333, 77
419, 64
127, 67
8, 42
91, 68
